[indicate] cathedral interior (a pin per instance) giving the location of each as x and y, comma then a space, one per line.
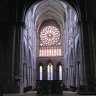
45, 41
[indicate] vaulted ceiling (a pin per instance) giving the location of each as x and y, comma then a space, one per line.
11, 11
50, 9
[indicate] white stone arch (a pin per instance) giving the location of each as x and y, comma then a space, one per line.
35, 19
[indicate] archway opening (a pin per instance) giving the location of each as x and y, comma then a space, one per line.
51, 31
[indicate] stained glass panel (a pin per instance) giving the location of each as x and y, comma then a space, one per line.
41, 73
60, 72
50, 72
50, 35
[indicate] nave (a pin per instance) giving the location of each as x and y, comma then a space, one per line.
47, 40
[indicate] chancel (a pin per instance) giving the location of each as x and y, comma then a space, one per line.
47, 46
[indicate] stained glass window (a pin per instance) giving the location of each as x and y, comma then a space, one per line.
50, 39
50, 35
41, 72
50, 51
50, 71
60, 72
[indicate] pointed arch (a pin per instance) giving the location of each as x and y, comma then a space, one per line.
40, 67
41, 72
39, 17
59, 71
49, 71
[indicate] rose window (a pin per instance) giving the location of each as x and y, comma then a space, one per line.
50, 35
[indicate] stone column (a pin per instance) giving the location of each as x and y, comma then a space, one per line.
54, 72
16, 60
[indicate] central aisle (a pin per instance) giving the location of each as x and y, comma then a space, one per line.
65, 93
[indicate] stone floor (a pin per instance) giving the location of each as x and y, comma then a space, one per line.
33, 93
65, 93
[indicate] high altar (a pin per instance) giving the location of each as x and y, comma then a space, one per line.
49, 87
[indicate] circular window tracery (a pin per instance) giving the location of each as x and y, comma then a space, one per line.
50, 35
